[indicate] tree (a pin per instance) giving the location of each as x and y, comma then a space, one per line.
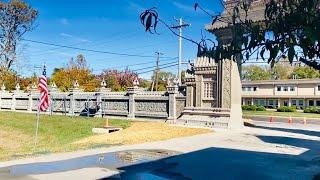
305, 72
16, 18
76, 70
290, 28
118, 80
282, 71
163, 77
8, 78
255, 72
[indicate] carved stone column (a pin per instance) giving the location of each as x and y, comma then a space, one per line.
33, 93
15, 92
172, 91
132, 91
72, 104
2, 91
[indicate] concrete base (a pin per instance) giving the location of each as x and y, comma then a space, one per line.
205, 117
105, 130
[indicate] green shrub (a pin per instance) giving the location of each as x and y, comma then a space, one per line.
261, 108
253, 108
286, 109
312, 109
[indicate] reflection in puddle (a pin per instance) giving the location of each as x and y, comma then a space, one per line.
112, 160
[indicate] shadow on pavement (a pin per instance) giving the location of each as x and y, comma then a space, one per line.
222, 163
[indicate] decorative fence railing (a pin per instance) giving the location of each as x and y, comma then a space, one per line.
131, 104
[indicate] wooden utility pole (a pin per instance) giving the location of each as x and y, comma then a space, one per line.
157, 70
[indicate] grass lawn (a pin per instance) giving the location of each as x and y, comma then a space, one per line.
282, 114
63, 133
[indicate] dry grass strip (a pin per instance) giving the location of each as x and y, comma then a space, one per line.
141, 132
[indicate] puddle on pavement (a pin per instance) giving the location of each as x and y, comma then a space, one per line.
112, 160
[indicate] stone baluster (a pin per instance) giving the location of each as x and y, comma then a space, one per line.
15, 93
3, 90
132, 91
33, 93
172, 90
102, 90
73, 90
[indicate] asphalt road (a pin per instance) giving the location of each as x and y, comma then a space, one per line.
285, 120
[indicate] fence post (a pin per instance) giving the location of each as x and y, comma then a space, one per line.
33, 92
99, 111
132, 91
72, 104
172, 114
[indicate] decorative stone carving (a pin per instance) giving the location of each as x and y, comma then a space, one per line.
75, 87
103, 88
34, 88
226, 84
151, 106
53, 88
3, 88
136, 82
116, 106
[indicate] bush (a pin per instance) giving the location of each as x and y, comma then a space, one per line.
253, 108
312, 109
261, 108
287, 109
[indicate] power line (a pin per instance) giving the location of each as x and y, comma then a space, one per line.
151, 67
41, 52
88, 50
159, 69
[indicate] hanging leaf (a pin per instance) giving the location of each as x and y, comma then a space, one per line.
148, 22
195, 6
291, 54
214, 20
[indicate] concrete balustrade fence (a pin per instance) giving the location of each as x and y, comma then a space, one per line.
134, 103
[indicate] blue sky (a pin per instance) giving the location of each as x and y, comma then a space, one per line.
109, 25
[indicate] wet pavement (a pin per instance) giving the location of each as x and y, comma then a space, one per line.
110, 161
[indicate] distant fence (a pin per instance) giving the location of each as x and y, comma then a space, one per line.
131, 104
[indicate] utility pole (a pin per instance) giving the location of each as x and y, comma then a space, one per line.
180, 26
156, 76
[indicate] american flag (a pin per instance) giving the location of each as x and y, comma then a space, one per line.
44, 97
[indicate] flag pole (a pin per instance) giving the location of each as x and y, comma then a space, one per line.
37, 127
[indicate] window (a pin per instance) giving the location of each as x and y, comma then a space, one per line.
318, 103
248, 88
254, 88
270, 102
292, 88
285, 88
243, 89
300, 102
318, 87
278, 88
311, 103
294, 102
262, 102
208, 90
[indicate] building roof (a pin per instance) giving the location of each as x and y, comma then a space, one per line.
284, 82
256, 14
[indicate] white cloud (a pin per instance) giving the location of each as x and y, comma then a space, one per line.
75, 38
184, 7
66, 35
135, 6
64, 21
